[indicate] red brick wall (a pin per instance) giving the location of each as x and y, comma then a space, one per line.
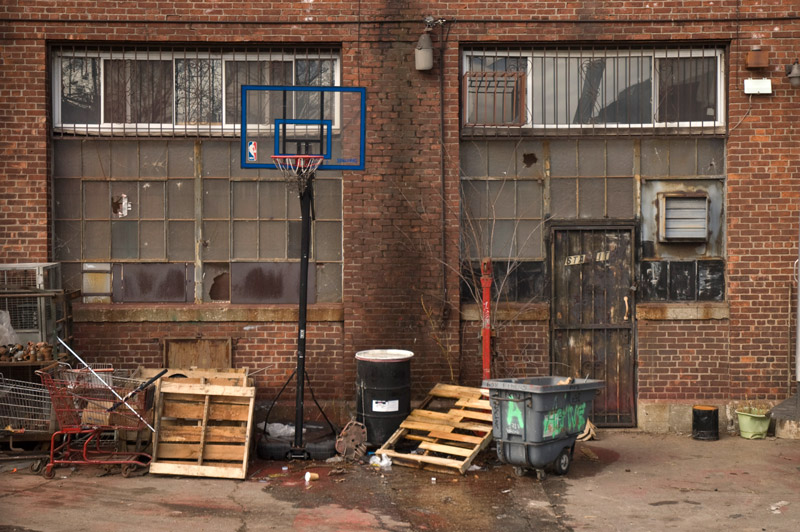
519, 349
268, 350
683, 360
393, 211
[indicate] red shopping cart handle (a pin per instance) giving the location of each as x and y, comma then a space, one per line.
138, 389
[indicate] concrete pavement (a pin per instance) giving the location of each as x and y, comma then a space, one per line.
626, 480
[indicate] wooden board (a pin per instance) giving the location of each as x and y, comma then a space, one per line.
197, 353
202, 430
227, 377
451, 437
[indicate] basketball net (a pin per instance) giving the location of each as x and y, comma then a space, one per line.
297, 169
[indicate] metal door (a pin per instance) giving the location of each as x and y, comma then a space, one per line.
592, 316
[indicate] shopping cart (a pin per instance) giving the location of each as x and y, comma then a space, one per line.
90, 406
24, 408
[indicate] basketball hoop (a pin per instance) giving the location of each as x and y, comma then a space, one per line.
297, 168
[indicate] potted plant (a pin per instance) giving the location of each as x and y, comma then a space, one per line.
753, 419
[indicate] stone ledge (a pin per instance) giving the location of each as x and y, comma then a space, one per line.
120, 313
682, 311
522, 312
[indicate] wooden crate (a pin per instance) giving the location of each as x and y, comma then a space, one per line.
202, 430
449, 437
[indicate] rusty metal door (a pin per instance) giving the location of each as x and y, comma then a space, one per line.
592, 316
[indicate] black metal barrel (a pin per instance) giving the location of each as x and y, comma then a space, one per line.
383, 391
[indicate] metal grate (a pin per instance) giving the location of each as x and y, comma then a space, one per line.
173, 91
29, 276
575, 90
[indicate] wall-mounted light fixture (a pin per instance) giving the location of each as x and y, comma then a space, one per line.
793, 73
423, 53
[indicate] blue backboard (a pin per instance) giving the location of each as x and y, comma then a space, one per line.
297, 120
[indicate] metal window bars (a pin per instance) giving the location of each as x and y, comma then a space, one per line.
575, 90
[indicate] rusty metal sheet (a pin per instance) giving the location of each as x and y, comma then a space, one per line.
151, 282
270, 282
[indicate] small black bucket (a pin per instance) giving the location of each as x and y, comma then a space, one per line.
705, 422
383, 391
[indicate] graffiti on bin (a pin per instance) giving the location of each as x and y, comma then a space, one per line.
515, 421
570, 418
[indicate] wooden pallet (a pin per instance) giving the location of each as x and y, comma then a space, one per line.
202, 430
449, 438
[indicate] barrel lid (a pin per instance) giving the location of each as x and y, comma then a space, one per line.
384, 355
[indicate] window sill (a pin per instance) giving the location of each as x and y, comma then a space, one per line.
683, 311
210, 312
509, 312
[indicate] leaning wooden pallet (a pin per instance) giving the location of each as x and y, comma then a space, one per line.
449, 437
202, 429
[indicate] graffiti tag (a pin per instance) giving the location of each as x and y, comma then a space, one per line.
571, 418
515, 421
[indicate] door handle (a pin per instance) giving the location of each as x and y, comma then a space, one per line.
627, 309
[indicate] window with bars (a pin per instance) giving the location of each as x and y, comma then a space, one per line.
143, 214
604, 89
172, 91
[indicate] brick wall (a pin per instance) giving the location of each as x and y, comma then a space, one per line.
394, 211
519, 349
683, 360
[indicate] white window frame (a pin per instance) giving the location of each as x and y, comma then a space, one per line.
174, 128
654, 54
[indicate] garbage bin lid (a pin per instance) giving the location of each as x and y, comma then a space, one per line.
384, 355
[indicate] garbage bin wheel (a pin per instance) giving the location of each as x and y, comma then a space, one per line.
561, 465
519, 471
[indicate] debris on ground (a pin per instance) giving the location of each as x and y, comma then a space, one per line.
589, 432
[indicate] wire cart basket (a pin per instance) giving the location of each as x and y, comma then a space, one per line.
90, 405
24, 408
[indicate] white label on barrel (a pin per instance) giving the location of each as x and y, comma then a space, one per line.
385, 406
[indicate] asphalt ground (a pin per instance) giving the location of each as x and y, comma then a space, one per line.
625, 480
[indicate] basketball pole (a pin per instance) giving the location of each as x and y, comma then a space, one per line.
306, 199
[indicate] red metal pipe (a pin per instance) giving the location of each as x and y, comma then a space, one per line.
486, 313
